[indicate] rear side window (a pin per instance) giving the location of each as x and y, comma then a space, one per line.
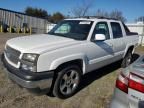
116, 30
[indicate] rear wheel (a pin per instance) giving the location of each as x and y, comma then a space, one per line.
127, 59
67, 82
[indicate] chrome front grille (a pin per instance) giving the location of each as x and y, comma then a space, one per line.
12, 54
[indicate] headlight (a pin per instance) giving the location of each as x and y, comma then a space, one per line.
29, 62
30, 57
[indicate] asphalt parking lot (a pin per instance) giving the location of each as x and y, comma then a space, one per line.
95, 91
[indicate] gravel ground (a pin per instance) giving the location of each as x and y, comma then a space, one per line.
95, 92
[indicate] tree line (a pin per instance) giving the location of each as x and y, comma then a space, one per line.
78, 11
38, 12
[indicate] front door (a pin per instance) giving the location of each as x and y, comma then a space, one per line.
100, 52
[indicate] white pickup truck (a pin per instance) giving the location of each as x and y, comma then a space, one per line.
57, 60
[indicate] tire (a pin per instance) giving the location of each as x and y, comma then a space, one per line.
127, 59
67, 82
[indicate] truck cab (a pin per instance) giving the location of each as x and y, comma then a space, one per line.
57, 60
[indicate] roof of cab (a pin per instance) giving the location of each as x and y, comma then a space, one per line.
94, 18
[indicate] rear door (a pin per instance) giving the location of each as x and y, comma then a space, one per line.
118, 41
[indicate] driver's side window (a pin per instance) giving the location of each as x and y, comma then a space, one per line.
101, 28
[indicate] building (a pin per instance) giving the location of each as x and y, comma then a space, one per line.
139, 28
20, 20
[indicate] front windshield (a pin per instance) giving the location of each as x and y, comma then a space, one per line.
75, 29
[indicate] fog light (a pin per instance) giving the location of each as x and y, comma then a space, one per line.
28, 67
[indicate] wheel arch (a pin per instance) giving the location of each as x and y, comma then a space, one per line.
130, 47
79, 60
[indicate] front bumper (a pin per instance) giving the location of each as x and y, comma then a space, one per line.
36, 82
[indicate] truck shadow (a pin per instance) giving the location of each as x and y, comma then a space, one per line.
88, 78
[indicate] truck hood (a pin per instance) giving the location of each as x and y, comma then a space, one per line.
40, 43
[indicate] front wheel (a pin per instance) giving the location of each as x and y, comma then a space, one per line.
127, 59
67, 82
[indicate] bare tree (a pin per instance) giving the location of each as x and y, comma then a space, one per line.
102, 13
141, 18
82, 9
117, 15
77, 12
114, 14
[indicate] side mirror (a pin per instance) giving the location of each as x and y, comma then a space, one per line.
100, 37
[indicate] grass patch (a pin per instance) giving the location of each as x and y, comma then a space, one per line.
140, 48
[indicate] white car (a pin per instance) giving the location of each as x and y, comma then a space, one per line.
129, 91
57, 60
